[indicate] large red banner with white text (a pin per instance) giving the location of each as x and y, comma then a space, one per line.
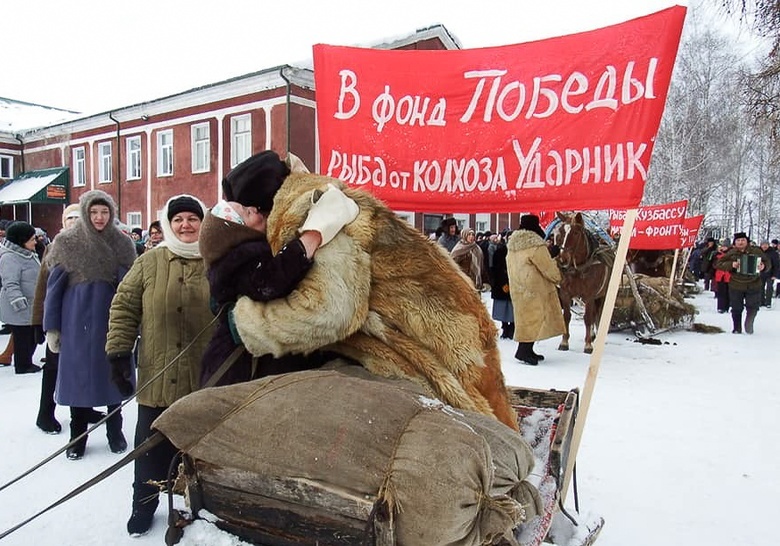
690, 230
657, 227
558, 124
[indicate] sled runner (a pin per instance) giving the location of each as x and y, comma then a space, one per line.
271, 510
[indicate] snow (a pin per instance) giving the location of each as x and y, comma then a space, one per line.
17, 116
24, 189
680, 445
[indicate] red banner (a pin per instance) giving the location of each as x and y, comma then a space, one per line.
657, 227
690, 230
566, 123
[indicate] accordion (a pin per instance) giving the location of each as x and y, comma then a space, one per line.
748, 264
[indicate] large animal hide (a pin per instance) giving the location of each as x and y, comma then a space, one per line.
384, 295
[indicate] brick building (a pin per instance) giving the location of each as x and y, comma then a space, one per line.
185, 143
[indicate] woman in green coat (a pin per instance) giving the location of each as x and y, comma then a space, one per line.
165, 295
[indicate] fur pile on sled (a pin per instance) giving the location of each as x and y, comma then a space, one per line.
384, 295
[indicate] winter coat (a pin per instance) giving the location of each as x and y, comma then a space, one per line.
85, 268
721, 275
167, 297
469, 258
387, 297
742, 281
708, 258
448, 241
773, 271
19, 272
499, 290
533, 276
240, 263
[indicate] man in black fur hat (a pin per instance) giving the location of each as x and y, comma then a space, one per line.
449, 237
745, 282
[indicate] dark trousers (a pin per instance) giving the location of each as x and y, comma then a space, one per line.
152, 465
744, 299
24, 345
722, 294
767, 291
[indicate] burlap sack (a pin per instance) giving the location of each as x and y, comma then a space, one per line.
375, 438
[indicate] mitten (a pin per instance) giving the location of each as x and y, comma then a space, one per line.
53, 340
38, 334
331, 212
122, 373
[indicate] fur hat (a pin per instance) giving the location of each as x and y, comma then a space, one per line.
775, 242
530, 222
739, 235
447, 222
19, 232
184, 203
255, 181
711, 240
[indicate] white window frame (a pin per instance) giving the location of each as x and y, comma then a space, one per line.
104, 162
8, 172
240, 139
79, 167
134, 220
165, 153
201, 152
133, 158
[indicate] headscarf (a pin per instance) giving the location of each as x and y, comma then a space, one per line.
89, 255
190, 251
464, 247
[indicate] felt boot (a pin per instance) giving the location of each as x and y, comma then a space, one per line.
116, 439
736, 319
78, 426
525, 353
750, 317
46, 420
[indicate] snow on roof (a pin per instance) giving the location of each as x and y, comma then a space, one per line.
17, 115
22, 189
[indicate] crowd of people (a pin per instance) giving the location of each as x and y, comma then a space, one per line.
741, 274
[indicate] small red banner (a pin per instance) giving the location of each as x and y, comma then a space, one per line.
690, 230
657, 227
566, 123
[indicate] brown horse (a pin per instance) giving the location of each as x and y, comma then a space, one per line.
585, 268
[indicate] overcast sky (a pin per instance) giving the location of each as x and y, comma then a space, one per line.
95, 55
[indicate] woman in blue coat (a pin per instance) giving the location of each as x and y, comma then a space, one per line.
85, 266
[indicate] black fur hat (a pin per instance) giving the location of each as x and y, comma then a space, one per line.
184, 203
530, 222
255, 181
19, 232
739, 235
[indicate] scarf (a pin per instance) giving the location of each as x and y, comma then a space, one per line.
188, 251
89, 255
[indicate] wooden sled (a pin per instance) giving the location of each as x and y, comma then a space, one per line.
283, 511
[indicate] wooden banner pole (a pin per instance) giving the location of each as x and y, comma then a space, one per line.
598, 346
673, 272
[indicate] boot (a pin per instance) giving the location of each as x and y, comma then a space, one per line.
736, 319
749, 318
525, 353
116, 439
78, 426
141, 519
5, 358
94, 416
510, 330
46, 420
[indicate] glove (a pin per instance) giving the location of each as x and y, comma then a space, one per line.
122, 373
38, 335
53, 341
328, 214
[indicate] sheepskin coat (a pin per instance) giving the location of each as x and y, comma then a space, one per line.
385, 296
533, 280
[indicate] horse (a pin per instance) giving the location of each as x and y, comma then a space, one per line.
585, 269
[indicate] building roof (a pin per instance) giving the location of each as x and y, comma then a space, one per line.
17, 115
33, 186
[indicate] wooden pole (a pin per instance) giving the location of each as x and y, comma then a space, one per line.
673, 272
598, 346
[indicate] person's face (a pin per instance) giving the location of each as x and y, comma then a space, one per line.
69, 221
30, 244
471, 237
134, 236
764, 246
741, 243
99, 215
155, 235
186, 226
452, 230
251, 216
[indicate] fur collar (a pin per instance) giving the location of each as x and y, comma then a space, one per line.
219, 236
523, 239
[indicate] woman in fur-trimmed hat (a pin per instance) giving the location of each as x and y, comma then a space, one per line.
85, 265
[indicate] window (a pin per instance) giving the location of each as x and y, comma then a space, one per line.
240, 138
134, 158
165, 153
200, 148
6, 166
134, 220
481, 221
79, 167
104, 162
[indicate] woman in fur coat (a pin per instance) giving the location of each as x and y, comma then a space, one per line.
85, 267
533, 280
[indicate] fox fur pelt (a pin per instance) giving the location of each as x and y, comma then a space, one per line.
384, 295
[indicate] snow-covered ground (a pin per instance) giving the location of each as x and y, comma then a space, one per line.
681, 445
